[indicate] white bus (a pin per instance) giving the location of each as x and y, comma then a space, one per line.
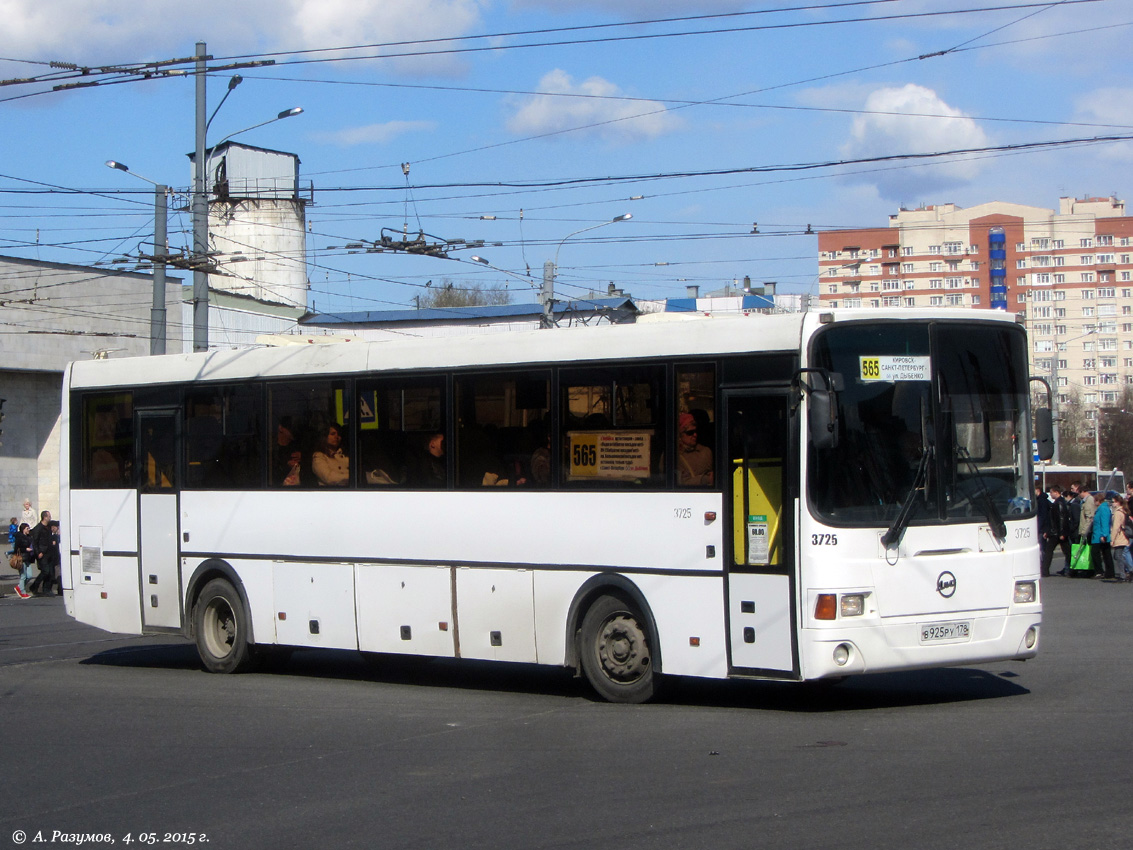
795, 497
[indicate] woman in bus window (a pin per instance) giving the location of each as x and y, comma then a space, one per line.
694, 461
329, 462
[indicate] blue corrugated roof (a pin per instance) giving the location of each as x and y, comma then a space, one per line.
458, 314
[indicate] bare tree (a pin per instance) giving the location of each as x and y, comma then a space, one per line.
449, 294
1075, 433
1116, 433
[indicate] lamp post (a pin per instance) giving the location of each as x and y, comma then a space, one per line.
551, 267
200, 212
199, 204
157, 320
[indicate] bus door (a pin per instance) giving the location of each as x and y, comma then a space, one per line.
157, 463
760, 562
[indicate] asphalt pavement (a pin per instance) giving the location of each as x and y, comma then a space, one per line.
126, 737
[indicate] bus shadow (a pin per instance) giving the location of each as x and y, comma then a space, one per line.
345, 665
859, 693
427, 672
165, 656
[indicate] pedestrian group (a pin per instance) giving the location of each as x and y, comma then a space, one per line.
35, 553
1093, 530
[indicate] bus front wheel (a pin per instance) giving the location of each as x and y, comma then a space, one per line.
615, 651
220, 624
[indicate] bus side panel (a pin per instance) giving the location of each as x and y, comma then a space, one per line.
496, 614
656, 531
107, 590
687, 608
683, 607
314, 605
405, 609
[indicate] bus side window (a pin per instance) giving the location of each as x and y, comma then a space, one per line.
108, 441
695, 433
222, 438
613, 430
398, 421
301, 414
502, 431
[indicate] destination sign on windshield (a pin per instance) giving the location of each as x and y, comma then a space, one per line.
894, 368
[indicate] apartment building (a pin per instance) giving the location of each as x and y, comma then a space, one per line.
1068, 273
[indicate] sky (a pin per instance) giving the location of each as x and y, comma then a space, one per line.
731, 132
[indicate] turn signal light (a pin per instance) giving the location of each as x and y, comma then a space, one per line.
826, 608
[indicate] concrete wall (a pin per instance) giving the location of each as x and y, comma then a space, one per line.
29, 456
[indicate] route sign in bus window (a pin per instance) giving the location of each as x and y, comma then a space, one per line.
610, 455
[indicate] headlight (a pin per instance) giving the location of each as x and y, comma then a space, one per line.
853, 604
1025, 591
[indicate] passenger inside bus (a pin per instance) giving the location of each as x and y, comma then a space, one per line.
288, 458
428, 470
329, 462
540, 462
694, 461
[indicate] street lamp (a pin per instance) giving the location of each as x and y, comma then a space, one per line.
287, 113
550, 269
232, 83
157, 323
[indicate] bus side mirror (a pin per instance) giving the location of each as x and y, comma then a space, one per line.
823, 419
1044, 433
822, 406
1044, 423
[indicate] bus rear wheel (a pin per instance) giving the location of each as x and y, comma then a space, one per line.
615, 651
220, 625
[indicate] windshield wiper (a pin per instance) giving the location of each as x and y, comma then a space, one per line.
897, 530
994, 517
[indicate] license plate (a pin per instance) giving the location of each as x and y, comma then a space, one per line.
946, 631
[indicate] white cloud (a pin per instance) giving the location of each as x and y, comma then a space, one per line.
636, 9
590, 107
374, 134
897, 125
1108, 106
129, 30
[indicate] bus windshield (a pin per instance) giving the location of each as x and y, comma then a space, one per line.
932, 425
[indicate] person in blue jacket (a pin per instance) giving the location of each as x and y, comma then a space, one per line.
1099, 538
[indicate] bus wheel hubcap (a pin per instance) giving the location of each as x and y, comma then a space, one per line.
222, 628
621, 649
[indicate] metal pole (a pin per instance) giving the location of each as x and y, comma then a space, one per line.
547, 296
1098, 416
157, 327
1054, 402
1097, 448
200, 216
